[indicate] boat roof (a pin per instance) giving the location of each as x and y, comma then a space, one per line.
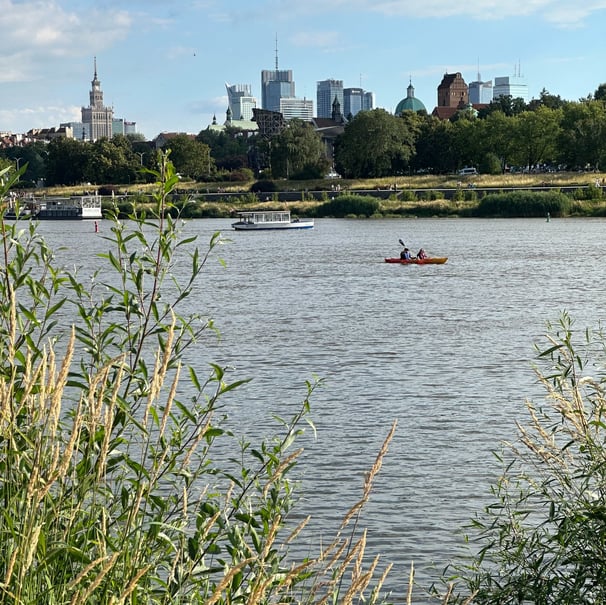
251, 212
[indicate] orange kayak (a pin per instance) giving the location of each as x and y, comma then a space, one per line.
436, 260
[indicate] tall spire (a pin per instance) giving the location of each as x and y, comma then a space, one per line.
276, 51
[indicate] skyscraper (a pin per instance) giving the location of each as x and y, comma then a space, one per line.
276, 84
513, 86
240, 101
355, 100
327, 91
302, 109
96, 118
480, 92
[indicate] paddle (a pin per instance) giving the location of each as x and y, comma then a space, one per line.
402, 243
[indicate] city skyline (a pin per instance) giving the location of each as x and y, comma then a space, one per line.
165, 66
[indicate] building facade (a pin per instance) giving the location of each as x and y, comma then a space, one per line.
276, 84
96, 118
480, 92
326, 92
356, 100
292, 107
513, 86
240, 101
453, 91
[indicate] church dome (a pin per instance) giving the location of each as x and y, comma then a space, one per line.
410, 103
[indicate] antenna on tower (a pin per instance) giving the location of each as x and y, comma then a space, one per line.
276, 52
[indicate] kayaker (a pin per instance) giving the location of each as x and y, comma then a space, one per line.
405, 254
421, 254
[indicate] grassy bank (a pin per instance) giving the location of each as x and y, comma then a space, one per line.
556, 179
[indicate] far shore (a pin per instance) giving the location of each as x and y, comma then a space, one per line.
395, 183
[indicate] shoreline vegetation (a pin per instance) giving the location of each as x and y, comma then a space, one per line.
509, 195
115, 492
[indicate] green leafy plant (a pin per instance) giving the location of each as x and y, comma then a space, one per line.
120, 483
543, 539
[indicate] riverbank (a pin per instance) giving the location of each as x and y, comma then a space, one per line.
397, 183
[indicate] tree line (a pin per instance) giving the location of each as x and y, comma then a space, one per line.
508, 134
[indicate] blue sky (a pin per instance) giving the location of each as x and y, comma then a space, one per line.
164, 63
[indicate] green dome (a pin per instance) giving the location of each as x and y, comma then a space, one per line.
410, 103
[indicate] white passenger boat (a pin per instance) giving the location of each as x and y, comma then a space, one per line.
270, 219
68, 208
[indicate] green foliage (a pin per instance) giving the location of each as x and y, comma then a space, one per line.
348, 205
491, 164
298, 152
115, 485
407, 195
264, 186
524, 204
591, 192
228, 148
374, 144
190, 157
543, 539
430, 195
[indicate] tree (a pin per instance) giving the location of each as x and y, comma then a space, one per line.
583, 135
229, 148
495, 134
536, 135
466, 145
434, 146
298, 152
543, 539
600, 93
507, 104
67, 161
112, 161
546, 100
33, 155
190, 157
374, 144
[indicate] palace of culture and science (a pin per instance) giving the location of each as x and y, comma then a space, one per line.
97, 119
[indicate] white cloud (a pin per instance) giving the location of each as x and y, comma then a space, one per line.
563, 13
35, 32
316, 39
40, 116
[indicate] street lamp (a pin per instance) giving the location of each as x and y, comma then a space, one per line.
17, 160
140, 154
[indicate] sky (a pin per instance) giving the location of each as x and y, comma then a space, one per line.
164, 63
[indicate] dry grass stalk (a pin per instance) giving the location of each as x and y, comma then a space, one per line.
411, 580
368, 483
277, 474
297, 530
217, 593
82, 596
201, 433
133, 583
161, 366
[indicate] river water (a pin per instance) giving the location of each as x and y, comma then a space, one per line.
446, 350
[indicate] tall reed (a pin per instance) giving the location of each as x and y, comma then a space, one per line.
110, 488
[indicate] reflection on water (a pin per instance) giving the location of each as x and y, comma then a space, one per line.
446, 350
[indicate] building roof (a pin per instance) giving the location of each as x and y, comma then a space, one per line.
445, 113
410, 102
